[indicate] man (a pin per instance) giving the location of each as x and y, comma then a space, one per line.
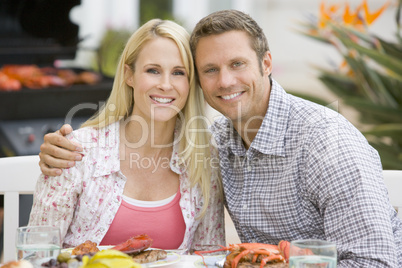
291, 169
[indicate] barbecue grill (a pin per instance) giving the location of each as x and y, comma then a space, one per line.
40, 32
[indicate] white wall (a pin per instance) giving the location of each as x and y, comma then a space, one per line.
94, 17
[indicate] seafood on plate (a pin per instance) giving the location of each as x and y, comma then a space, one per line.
85, 248
135, 244
148, 256
254, 253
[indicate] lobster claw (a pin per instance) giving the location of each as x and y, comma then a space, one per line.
284, 247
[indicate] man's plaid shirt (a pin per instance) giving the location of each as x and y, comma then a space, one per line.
309, 173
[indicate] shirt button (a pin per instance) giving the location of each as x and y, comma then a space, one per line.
249, 168
244, 206
116, 200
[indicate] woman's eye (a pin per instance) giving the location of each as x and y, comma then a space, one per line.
152, 71
179, 73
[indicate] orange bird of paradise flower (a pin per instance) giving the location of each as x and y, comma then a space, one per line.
350, 18
326, 14
371, 17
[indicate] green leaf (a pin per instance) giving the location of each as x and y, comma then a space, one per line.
394, 87
388, 62
382, 113
316, 37
391, 158
362, 79
393, 50
393, 131
339, 84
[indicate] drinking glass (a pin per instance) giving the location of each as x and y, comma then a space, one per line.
312, 253
38, 244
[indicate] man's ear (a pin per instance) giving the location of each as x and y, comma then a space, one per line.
128, 75
267, 63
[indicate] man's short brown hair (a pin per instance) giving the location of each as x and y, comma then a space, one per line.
230, 20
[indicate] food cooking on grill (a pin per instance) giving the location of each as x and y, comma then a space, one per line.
14, 77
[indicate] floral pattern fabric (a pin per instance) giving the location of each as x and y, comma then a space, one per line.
84, 199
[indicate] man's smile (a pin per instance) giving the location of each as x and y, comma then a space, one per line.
231, 96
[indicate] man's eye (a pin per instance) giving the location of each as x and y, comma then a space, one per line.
237, 64
211, 70
152, 71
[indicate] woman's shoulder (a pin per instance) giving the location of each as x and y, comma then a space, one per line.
90, 137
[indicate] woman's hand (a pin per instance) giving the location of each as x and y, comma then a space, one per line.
58, 152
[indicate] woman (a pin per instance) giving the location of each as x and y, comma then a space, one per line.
145, 169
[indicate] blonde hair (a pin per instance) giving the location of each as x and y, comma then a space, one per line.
120, 102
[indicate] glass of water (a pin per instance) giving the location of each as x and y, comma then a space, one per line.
312, 253
38, 244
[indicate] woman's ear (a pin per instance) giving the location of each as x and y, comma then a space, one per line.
128, 75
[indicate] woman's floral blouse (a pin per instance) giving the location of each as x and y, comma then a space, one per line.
84, 199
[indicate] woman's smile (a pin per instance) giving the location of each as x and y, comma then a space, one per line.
162, 100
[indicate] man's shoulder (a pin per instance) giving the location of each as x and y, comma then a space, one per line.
315, 114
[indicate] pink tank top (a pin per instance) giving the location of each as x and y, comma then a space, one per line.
164, 224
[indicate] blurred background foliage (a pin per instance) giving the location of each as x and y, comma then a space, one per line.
109, 51
369, 79
114, 40
150, 9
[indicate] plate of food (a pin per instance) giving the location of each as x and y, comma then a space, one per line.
138, 248
171, 258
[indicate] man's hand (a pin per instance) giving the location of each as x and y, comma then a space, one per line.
58, 152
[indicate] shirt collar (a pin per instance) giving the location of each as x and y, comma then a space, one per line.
270, 137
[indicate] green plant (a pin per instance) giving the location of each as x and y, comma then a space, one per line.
109, 51
150, 9
370, 77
